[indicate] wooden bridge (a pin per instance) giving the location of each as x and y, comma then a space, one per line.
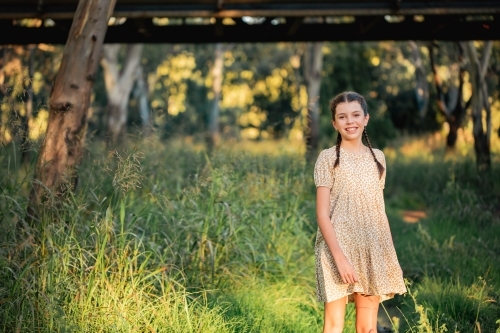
209, 21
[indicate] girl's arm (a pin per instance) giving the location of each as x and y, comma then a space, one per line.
344, 267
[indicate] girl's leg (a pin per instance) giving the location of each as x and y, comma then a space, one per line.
366, 313
334, 316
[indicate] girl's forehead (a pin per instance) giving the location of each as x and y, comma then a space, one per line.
348, 107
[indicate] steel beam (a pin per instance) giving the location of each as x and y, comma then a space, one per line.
364, 28
11, 9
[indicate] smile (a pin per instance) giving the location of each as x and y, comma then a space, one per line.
351, 129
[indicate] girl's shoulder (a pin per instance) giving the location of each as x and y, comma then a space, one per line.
329, 151
326, 157
329, 154
379, 154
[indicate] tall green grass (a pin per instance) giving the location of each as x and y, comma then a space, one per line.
453, 256
166, 237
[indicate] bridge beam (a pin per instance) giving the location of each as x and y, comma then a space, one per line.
363, 28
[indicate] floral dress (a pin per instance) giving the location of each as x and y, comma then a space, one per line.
357, 213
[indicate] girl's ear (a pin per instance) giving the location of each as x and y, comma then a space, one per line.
367, 117
333, 124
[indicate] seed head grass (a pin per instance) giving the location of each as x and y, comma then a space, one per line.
167, 237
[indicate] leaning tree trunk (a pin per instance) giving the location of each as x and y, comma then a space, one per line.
213, 116
312, 72
479, 102
119, 85
62, 147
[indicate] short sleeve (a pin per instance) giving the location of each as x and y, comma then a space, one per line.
382, 179
323, 170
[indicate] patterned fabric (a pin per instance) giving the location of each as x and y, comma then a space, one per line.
357, 212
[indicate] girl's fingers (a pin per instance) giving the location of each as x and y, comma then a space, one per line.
350, 277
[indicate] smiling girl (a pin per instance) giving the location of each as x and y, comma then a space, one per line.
355, 256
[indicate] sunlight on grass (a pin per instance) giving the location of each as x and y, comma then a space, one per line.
170, 237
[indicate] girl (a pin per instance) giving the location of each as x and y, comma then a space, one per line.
355, 256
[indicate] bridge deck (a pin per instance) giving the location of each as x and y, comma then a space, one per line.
206, 21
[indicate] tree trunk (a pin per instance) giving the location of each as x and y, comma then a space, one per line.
141, 95
119, 85
313, 66
422, 85
3, 61
454, 111
213, 116
62, 147
451, 138
480, 102
25, 142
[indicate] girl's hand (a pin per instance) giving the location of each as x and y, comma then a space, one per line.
346, 270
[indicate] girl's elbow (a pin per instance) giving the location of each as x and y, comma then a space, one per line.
322, 217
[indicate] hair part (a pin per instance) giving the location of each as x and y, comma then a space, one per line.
348, 97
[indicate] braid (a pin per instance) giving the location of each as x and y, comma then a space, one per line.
380, 167
337, 149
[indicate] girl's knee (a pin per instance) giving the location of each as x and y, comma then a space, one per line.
365, 329
333, 327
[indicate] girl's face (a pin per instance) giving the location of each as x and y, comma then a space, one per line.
350, 120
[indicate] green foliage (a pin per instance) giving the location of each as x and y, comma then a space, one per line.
451, 256
168, 238
166, 251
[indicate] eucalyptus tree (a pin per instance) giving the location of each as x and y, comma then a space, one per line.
62, 147
421, 84
481, 108
450, 98
119, 84
313, 67
213, 115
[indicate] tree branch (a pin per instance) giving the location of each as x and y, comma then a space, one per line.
437, 81
485, 59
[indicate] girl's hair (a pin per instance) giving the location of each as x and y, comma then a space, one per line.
347, 97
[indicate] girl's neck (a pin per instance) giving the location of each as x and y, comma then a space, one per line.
354, 146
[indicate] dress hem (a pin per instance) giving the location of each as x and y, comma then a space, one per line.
350, 297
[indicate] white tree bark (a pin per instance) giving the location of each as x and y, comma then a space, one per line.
119, 84
213, 117
313, 63
141, 95
422, 85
